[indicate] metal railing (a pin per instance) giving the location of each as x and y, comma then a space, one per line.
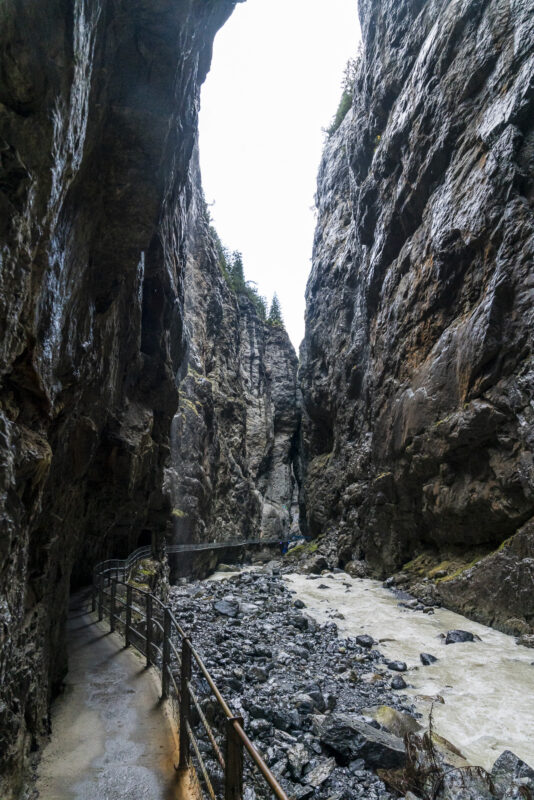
211, 737
189, 548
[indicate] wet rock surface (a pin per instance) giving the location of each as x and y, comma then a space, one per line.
98, 123
427, 659
323, 709
417, 364
510, 769
454, 637
300, 688
234, 438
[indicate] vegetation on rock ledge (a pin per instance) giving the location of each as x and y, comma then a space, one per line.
347, 96
232, 268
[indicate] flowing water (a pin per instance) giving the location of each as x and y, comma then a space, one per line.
487, 685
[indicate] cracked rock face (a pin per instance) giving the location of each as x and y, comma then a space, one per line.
98, 113
417, 367
233, 474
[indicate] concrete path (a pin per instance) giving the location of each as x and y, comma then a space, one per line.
111, 738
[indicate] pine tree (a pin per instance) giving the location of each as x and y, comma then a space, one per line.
237, 272
275, 313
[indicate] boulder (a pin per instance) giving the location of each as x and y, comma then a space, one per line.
427, 659
397, 666
248, 608
301, 792
509, 773
396, 722
319, 774
357, 569
454, 637
468, 783
227, 608
297, 757
398, 682
348, 737
316, 565
515, 626
257, 674
285, 720
305, 703
365, 641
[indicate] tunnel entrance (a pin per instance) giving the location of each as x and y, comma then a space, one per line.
145, 539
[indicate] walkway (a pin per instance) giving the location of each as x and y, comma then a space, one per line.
110, 735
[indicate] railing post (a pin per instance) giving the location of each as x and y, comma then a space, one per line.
233, 775
185, 703
148, 629
166, 653
101, 596
112, 606
128, 624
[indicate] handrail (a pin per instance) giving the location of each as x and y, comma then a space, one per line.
151, 635
191, 548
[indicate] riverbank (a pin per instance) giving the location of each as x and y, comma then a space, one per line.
310, 662
487, 686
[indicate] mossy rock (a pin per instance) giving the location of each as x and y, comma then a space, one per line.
396, 722
306, 548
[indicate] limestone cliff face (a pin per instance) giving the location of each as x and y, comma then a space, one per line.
98, 114
418, 373
235, 433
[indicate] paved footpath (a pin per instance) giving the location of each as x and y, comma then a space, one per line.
110, 735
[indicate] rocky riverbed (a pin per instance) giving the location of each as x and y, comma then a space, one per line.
481, 685
328, 712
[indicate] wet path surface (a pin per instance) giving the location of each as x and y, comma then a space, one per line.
110, 736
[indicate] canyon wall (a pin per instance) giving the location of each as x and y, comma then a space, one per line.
417, 365
235, 435
98, 121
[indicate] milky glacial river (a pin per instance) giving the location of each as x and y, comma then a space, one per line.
487, 685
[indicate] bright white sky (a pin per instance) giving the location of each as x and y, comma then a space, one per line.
275, 82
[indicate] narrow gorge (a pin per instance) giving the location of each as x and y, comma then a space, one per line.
234, 439
144, 400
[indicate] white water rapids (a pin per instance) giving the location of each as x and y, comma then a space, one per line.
487, 685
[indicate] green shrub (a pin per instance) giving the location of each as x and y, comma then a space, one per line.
347, 96
345, 105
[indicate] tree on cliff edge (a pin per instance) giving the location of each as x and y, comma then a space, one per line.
275, 313
236, 272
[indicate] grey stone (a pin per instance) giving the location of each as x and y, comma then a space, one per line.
319, 774
227, 608
427, 659
304, 703
457, 636
509, 773
397, 666
349, 738
298, 757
